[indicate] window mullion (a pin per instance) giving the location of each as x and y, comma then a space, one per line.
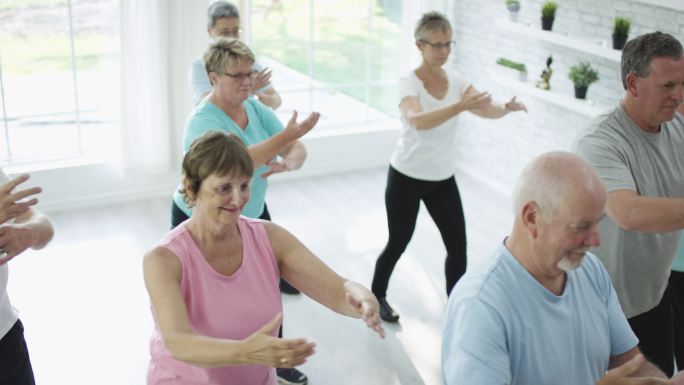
77, 105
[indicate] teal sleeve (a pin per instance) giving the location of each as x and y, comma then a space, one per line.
199, 123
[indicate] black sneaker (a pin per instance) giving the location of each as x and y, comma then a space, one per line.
288, 289
386, 312
291, 376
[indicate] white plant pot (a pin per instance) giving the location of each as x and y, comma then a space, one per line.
513, 16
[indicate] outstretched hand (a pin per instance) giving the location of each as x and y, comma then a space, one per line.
365, 305
10, 207
622, 375
514, 105
473, 100
14, 240
263, 349
261, 79
295, 130
286, 164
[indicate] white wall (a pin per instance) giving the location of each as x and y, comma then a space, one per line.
497, 150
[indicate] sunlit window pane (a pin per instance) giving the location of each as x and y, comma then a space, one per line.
60, 78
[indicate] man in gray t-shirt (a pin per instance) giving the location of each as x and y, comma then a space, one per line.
638, 150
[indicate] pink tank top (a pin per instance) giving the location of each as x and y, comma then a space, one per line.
231, 307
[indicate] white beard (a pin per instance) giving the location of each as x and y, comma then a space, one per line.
566, 264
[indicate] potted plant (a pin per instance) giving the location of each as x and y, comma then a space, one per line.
513, 8
620, 32
519, 69
548, 14
582, 75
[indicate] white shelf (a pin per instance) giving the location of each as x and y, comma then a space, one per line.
569, 102
672, 4
577, 44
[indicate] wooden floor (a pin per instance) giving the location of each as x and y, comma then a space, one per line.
86, 311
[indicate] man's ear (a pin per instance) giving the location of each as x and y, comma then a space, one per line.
632, 82
531, 216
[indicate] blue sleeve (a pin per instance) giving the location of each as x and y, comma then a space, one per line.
474, 345
199, 80
266, 117
622, 338
198, 123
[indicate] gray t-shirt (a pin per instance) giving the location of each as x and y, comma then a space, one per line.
628, 158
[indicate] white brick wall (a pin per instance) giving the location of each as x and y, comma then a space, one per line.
496, 150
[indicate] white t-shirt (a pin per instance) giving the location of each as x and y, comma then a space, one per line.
8, 314
428, 154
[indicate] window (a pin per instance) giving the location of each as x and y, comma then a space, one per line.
59, 79
339, 57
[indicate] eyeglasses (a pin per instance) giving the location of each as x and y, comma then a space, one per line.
230, 32
451, 44
240, 77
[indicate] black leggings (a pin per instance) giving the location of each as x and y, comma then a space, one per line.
677, 295
15, 365
654, 331
402, 201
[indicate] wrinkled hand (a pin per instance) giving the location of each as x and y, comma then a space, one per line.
14, 240
514, 105
621, 375
286, 164
474, 101
261, 79
295, 130
367, 308
10, 208
262, 349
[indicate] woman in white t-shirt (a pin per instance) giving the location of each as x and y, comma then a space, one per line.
421, 167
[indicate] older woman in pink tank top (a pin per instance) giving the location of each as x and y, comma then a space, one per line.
213, 280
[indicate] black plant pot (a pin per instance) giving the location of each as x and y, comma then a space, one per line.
547, 23
581, 92
619, 41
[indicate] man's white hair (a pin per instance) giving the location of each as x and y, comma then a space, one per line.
547, 179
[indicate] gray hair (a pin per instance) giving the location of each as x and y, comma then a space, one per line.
547, 180
431, 21
640, 51
219, 10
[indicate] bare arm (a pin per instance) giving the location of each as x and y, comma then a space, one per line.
162, 272
300, 267
265, 151
495, 111
270, 98
414, 114
632, 368
650, 214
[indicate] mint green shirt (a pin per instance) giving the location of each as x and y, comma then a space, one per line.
262, 123
678, 263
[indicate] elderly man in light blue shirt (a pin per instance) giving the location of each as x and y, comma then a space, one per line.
543, 310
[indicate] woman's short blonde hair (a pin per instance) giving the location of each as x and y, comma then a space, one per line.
226, 52
214, 152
